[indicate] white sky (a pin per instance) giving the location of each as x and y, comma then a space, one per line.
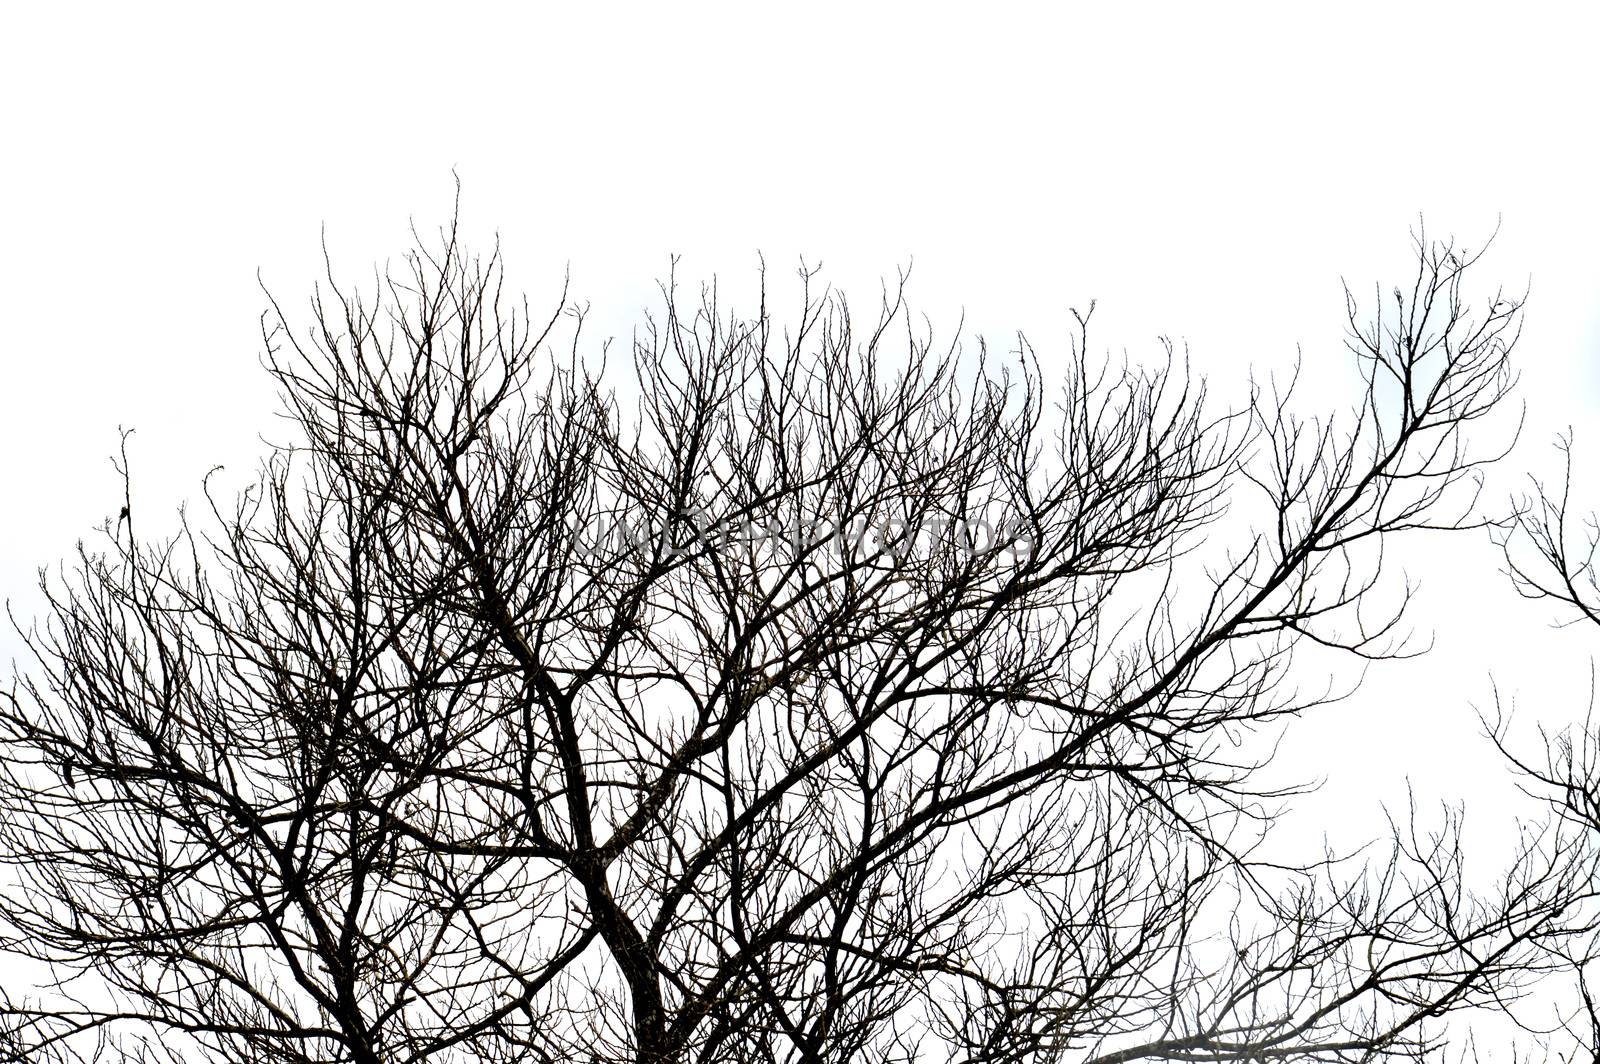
1204, 171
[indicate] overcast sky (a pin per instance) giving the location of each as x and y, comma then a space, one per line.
1208, 172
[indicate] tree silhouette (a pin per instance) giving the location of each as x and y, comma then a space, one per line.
831, 695
1550, 548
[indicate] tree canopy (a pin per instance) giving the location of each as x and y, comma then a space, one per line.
821, 693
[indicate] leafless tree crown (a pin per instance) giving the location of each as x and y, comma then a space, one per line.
824, 694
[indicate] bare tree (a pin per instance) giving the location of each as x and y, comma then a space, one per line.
1551, 547
831, 695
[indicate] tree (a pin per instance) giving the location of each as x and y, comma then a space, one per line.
835, 696
1550, 548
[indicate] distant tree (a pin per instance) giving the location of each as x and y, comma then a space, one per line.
829, 696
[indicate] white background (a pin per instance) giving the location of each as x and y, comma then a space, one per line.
1207, 172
